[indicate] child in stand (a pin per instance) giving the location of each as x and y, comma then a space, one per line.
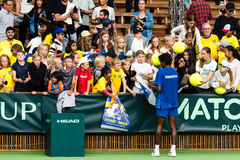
84, 43
223, 77
15, 48
154, 69
6, 78
83, 77
57, 46
118, 76
130, 56
57, 64
120, 47
68, 72
100, 64
72, 48
47, 36
103, 84
104, 43
65, 40
20, 74
221, 53
75, 57
129, 74
55, 85
143, 69
38, 73
109, 56
155, 45
166, 86
189, 45
169, 41
228, 30
43, 51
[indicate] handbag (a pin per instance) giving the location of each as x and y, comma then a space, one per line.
32, 27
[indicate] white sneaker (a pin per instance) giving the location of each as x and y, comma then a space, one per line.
155, 154
172, 154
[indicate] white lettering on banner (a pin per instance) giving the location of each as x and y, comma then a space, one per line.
200, 108
23, 108
226, 127
68, 120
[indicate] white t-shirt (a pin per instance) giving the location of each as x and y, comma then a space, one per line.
155, 70
26, 7
137, 45
96, 12
163, 50
35, 43
205, 71
217, 78
235, 67
141, 68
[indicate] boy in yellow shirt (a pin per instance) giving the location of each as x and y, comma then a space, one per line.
228, 29
118, 76
221, 53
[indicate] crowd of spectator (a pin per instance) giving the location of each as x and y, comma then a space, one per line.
57, 51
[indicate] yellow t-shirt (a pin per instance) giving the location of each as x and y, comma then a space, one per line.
100, 86
48, 39
210, 42
232, 40
221, 56
238, 88
117, 79
6, 44
8, 76
80, 53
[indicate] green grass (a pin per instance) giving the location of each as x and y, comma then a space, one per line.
127, 155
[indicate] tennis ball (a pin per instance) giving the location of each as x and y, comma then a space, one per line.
179, 47
7, 52
155, 59
220, 90
195, 79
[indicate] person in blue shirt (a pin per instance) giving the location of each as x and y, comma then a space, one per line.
166, 86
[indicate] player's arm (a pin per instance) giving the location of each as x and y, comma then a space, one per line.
155, 88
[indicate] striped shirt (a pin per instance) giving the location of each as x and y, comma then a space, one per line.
53, 47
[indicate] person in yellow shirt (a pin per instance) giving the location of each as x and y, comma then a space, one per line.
6, 79
118, 76
104, 85
72, 48
228, 30
209, 40
221, 52
47, 30
10, 41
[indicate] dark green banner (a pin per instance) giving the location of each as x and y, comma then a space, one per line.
198, 112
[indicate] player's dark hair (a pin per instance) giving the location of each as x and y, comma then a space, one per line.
167, 58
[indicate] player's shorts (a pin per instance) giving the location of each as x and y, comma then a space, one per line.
172, 112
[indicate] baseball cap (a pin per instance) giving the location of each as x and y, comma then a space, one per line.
10, 28
110, 54
106, 22
58, 30
224, 43
130, 54
83, 60
137, 29
227, 27
85, 33
230, 6
225, 64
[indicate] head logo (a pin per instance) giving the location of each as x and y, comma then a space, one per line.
68, 120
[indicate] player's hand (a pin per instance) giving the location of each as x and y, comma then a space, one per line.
150, 85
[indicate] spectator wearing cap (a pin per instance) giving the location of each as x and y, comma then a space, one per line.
67, 12
136, 41
23, 7
130, 56
227, 18
209, 40
6, 18
99, 14
228, 30
84, 43
10, 41
145, 18
106, 26
221, 52
83, 77
57, 47
202, 11
108, 58
86, 8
